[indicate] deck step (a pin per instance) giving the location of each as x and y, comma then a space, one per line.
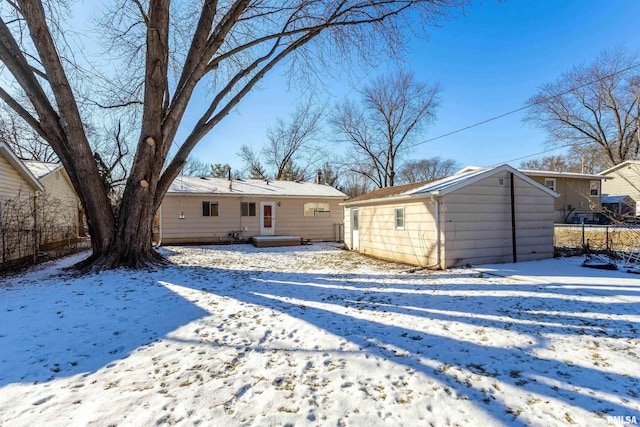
275, 241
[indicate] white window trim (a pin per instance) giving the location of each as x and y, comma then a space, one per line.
395, 218
597, 183
555, 184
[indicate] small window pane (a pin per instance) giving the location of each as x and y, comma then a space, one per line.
550, 183
595, 188
247, 208
399, 218
209, 208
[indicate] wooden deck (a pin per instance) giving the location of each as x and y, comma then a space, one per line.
275, 241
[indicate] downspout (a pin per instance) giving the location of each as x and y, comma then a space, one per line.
514, 245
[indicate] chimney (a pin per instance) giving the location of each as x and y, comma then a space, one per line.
318, 176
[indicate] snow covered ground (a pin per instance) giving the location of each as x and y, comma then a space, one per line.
314, 335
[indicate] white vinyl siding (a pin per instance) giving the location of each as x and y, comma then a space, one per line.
625, 182
475, 225
289, 213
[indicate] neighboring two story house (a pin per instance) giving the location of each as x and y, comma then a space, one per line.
625, 182
580, 195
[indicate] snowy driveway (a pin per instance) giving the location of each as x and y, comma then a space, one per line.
235, 336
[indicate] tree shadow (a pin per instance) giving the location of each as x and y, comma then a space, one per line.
435, 328
535, 313
43, 326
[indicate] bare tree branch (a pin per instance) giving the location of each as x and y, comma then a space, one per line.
594, 105
395, 109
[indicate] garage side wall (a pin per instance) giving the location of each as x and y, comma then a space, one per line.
414, 243
477, 224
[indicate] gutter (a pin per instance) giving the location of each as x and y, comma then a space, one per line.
389, 199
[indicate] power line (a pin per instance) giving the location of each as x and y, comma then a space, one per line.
526, 106
536, 154
571, 144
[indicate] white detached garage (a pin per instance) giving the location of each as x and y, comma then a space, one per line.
487, 215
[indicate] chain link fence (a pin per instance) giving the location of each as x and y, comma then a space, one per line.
22, 247
614, 239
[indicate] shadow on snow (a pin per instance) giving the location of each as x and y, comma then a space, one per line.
44, 326
42, 344
319, 299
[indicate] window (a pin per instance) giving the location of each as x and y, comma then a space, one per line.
354, 219
247, 208
399, 214
209, 208
594, 188
550, 183
501, 182
317, 209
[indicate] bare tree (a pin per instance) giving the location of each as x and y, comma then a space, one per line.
289, 142
23, 139
555, 163
593, 106
395, 109
161, 52
355, 184
252, 165
587, 159
194, 166
427, 169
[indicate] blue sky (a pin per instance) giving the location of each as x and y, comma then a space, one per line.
489, 61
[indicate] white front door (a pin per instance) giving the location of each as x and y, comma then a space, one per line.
355, 233
267, 218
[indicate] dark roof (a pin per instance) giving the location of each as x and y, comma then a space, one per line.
388, 191
443, 186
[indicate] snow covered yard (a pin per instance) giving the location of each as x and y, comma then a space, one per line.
314, 335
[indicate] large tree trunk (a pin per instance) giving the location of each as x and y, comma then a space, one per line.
232, 48
131, 238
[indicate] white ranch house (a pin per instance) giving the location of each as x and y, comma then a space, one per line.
212, 210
